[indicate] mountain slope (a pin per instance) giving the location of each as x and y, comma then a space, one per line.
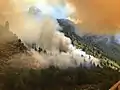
107, 44
102, 47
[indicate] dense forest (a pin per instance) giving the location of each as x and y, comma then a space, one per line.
54, 78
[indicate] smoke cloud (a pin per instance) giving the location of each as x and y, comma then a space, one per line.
59, 50
98, 16
42, 30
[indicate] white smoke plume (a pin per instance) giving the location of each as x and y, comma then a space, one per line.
45, 34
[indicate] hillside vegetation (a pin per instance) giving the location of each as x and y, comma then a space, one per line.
96, 46
53, 78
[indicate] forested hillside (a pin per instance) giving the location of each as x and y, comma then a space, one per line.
53, 78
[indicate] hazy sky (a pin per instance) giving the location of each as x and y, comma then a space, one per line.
55, 8
55, 11
96, 16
